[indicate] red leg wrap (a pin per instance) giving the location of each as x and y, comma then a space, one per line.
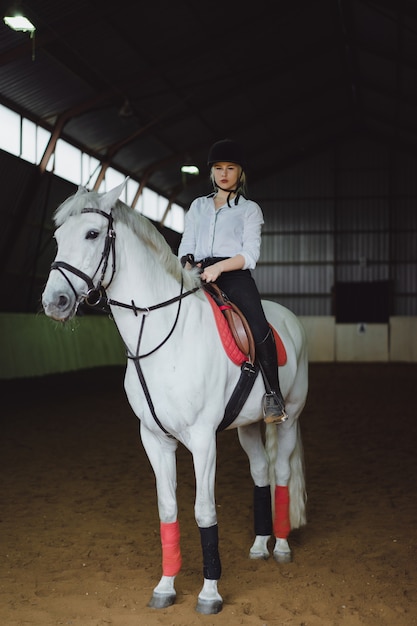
171, 552
282, 524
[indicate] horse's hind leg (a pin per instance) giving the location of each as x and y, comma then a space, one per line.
289, 493
250, 438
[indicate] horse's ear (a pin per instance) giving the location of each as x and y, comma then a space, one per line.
108, 200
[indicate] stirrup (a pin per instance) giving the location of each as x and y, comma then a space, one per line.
273, 409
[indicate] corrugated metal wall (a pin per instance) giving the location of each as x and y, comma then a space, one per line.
347, 215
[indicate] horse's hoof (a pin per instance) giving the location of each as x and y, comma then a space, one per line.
161, 600
259, 549
258, 555
209, 607
282, 557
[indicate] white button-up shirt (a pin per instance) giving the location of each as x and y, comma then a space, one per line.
231, 230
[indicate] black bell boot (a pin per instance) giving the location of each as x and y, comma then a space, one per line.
273, 403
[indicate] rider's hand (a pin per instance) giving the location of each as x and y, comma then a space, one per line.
211, 273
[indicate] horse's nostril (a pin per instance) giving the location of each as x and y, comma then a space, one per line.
62, 302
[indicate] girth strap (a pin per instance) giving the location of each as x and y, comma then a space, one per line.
239, 395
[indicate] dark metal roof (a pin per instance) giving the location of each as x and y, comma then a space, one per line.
146, 86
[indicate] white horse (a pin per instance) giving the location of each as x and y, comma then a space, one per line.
179, 378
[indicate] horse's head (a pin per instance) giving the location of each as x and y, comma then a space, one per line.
85, 257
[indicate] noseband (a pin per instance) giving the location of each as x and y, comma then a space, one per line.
94, 292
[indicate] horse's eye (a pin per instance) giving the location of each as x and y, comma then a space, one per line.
92, 234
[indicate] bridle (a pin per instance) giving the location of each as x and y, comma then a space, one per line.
95, 294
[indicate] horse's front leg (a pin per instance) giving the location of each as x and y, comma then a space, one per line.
161, 453
203, 448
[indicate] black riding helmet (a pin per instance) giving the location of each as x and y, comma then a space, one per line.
226, 150
229, 151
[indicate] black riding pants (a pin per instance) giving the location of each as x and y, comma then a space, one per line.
241, 289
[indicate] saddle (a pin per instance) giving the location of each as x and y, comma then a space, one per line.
243, 354
237, 322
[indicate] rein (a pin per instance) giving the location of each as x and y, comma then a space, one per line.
148, 309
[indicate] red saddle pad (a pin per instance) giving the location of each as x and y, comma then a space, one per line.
229, 344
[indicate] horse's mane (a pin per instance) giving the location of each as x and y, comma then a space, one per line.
143, 228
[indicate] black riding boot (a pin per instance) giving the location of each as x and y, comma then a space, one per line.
273, 402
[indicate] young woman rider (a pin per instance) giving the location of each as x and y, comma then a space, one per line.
223, 233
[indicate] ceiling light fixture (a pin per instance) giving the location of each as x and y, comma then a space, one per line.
19, 23
190, 169
15, 20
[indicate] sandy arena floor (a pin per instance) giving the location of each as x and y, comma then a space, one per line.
79, 531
